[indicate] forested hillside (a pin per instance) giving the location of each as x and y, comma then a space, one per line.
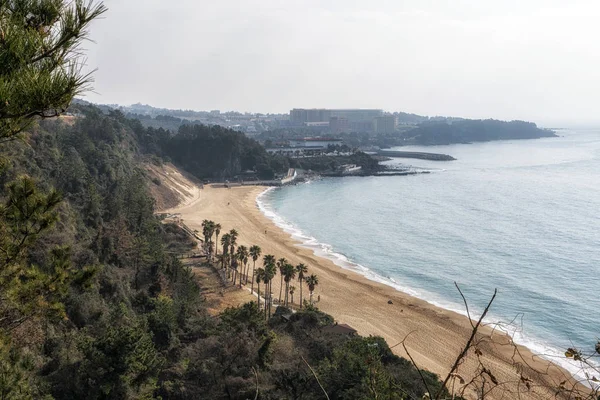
466, 131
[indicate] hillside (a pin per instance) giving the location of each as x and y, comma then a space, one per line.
168, 186
467, 131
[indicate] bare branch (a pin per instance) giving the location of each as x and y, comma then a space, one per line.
466, 304
467, 346
316, 377
414, 362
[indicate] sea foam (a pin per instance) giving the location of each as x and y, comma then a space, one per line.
512, 328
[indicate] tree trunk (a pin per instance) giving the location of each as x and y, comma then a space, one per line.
270, 297
280, 287
311, 293
253, 268
300, 292
258, 298
266, 297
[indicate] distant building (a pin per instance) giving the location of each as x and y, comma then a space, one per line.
358, 119
384, 124
338, 125
355, 115
361, 126
305, 147
297, 152
300, 116
322, 143
349, 169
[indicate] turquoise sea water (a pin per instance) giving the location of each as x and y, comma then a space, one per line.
519, 216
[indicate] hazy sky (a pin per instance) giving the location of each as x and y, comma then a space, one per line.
510, 59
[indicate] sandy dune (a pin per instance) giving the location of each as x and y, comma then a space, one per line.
435, 336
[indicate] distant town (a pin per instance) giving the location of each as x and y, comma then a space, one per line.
318, 120
308, 132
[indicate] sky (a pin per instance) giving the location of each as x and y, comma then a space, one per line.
534, 60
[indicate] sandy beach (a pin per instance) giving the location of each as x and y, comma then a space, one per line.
435, 336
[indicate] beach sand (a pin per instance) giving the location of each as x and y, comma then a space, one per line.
435, 336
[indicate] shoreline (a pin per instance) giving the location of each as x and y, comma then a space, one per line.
352, 298
325, 250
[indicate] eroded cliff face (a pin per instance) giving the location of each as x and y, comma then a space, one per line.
170, 186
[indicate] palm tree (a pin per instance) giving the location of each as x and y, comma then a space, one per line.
301, 270
205, 227
242, 256
245, 262
281, 265
292, 290
255, 253
225, 240
232, 242
260, 276
217, 232
312, 281
271, 272
208, 228
234, 267
289, 273
269, 268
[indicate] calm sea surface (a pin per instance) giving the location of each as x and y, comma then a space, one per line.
519, 216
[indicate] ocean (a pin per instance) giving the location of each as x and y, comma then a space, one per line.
519, 216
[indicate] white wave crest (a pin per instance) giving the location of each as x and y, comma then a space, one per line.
537, 346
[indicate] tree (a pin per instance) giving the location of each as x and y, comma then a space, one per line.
225, 241
301, 270
254, 253
260, 277
217, 232
41, 59
208, 228
292, 291
269, 267
29, 290
242, 256
289, 273
281, 263
122, 359
233, 234
271, 271
312, 281
234, 266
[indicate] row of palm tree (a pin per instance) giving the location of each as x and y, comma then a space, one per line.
235, 262
208, 229
287, 273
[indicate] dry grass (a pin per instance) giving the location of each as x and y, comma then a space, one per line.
218, 296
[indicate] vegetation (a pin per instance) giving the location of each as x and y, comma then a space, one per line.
213, 152
332, 164
424, 131
467, 131
40, 59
